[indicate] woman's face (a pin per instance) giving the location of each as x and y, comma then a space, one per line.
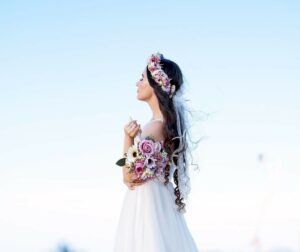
144, 90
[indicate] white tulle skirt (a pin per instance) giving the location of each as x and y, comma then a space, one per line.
150, 222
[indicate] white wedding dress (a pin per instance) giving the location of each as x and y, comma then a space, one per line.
150, 222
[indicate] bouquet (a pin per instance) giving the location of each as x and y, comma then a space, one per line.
146, 158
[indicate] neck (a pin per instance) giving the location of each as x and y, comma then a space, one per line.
154, 106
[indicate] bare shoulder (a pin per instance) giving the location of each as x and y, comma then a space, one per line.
154, 129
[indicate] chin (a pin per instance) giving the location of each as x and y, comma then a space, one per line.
142, 96
139, 97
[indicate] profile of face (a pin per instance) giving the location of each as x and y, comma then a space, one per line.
144, 90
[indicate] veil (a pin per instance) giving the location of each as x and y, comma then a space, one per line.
184, 150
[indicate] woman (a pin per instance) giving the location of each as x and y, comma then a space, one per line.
151, 218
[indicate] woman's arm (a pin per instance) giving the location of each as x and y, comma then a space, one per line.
128, 141
130, 131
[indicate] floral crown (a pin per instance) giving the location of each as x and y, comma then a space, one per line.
159, 75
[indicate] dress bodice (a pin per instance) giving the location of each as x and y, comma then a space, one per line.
138, 138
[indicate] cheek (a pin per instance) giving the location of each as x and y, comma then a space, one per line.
143, 86
145, 90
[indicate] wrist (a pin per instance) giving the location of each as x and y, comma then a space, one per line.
128, 137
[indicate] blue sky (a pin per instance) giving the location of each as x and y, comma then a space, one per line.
67, 87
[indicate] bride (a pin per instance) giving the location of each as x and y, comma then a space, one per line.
151, 218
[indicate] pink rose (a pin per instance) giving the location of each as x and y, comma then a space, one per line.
155, 58
146, 147
139, 165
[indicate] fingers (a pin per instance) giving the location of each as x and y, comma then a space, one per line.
131, 122
130, 125
133, 129
137, 182
132, 185
136, 130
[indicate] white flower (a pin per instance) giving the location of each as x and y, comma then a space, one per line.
150, 162
132, 153
147, 173
157, 146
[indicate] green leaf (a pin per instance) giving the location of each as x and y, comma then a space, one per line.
121, 162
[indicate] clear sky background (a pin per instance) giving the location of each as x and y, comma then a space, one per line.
67, 87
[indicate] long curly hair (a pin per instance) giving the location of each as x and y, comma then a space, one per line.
170, 126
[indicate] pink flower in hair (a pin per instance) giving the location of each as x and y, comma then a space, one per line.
159, 75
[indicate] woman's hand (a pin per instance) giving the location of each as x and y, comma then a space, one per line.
130, 180
131, 129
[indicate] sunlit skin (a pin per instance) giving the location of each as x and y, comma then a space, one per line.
144, 93
144, 90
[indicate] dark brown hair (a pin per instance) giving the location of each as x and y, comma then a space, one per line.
170, 126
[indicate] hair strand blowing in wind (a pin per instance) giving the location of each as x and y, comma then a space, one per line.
169, 92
